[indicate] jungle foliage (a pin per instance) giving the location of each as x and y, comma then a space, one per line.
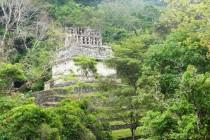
161, 54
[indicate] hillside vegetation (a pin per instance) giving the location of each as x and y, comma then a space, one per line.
162, 56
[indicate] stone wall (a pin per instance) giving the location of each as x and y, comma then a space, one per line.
83, 36
68, 67
99, 53
48, 95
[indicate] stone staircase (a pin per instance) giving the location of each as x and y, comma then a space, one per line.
51, 97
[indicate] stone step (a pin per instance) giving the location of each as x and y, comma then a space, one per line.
121, 126
71, 83
84, 90
49, 95
64, 84
118, 127
51, 92
50, 101
49, 104
53, 99
57, 95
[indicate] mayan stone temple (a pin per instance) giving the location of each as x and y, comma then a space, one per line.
79, 41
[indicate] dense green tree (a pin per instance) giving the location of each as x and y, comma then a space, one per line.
171, 58
39, 58
87, 64
180, 12
182, 119
9, 102
73, 128
79, 123
125, 107
21, 119
163, 85
25, 122
129, 58
195, 88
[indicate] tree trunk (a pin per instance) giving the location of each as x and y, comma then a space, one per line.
4, 37
133, 133
132, 126
11, 86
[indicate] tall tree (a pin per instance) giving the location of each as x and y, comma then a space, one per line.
15, 14
128, 62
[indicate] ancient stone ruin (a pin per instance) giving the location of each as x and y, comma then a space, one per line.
79, 41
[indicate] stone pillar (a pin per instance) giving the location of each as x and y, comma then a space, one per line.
95, 42
100, 40
48, 85
91, 40
81, 40
88, 42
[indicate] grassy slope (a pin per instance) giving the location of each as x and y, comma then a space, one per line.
122, 133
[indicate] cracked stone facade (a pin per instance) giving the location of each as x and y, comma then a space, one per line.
80, 41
